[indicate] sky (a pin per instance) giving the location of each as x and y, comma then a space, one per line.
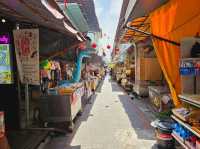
108, 12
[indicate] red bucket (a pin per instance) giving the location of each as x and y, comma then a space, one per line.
2, 126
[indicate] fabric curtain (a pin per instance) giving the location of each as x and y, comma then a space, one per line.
175, 20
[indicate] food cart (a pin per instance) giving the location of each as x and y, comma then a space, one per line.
62, 107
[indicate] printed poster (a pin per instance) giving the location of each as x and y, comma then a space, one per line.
5, 67
27, 55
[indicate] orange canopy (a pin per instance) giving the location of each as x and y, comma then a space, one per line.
140, 23
175, 20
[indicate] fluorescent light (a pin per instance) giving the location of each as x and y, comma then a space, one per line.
69, 28
3, 20
55, 12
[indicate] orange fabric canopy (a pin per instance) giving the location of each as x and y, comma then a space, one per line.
140, 23
175, 20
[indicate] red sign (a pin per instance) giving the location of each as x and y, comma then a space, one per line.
24, 45
2, 126
94, 45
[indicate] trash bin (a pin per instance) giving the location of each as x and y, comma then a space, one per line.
163, 130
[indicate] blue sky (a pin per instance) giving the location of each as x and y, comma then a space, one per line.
108, 12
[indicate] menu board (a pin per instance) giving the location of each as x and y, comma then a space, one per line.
5, 67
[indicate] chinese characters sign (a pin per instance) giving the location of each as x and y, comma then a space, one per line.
5, 68
27, 54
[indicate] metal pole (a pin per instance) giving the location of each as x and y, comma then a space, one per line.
27, 104
152, 35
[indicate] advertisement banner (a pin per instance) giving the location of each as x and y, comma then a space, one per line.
27, 55
5, 68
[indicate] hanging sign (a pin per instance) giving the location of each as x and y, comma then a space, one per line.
5, 68
4, 39
27, 55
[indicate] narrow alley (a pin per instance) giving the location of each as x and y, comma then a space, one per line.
111, 121
99, 74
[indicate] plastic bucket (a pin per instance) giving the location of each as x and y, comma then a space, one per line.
163, 130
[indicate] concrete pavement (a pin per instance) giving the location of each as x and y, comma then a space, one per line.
111, 121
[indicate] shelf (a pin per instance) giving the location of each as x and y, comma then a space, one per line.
177, 138
191, 99
190, 59
186, 126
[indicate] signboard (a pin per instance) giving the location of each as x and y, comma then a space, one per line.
4, 39
5, 68
27, 55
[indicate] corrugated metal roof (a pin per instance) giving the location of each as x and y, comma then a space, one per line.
75, 14
140, 8
144, 7
32, 11
88, 9
121, 19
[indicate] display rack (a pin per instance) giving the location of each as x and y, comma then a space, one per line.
179, 140
190, 59
191, 99
185, 125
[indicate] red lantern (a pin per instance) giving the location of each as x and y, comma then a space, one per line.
94, 45
108, 46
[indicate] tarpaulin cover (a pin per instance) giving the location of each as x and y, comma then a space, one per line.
175, 20
139, 23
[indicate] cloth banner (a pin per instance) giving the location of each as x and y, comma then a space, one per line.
27, 55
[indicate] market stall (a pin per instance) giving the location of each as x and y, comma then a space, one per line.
148, 71
187, 126
71, 81
68, 100
129, 70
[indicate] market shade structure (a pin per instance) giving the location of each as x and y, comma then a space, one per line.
135, 9
34, 12
88, 10
75, 14
139, 23
54, 36
121, 21
175, 20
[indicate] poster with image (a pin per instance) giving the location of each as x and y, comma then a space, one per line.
27, 55
5, 67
